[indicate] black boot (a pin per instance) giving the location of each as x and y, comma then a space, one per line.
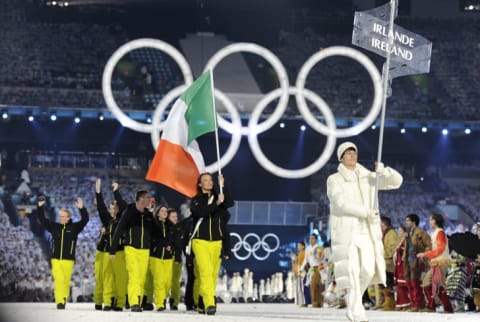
146, 306
162, 308
98, 307
127, 305
173, 307
201, 306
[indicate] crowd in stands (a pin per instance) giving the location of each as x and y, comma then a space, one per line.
25, 272
33, 72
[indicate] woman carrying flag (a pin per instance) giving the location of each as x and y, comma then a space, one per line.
209, 208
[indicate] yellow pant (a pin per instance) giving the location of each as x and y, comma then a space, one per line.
148, 287
108, 280
161, 270
176, 279
196, 283
62, 273
136, 261
98, 269
120, 278
208, 261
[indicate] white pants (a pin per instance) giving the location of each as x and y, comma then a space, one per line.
361, 271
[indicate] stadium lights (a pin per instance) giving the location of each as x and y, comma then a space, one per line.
468, 130
282, 125
4, 115
445, 131
303, 128
53, 117
424, 129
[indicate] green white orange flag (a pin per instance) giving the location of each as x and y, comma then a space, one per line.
178, 161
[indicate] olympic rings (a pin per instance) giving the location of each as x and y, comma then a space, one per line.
254, 128
372, 71
251, 250
115, 58
277, 66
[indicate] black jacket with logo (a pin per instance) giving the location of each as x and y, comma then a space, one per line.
136, 228
110, 224
64, 237
215, 217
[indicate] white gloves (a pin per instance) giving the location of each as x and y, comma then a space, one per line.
380, 168
372, 213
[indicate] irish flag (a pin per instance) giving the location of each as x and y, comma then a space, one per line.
178, 161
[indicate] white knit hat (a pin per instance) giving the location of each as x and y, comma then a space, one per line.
343, 147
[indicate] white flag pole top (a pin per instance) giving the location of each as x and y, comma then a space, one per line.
406, 53
216, 126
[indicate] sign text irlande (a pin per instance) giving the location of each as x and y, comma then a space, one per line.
399, 48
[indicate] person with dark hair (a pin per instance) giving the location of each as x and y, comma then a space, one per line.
178, 241
357, 248
302, 292
313, 263
209, 208
162, 257
440, 260
137, 225
418, 241
116, 209
403, 300
104, 283
390, 242
64, 240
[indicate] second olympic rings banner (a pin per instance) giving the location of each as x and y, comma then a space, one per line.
263, 249
254, 128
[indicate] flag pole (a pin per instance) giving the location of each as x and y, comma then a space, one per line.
385, 79
216, 126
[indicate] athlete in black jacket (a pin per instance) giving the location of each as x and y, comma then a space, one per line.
135, 226
64, 239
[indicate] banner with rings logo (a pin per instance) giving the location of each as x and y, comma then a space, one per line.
264, 249
254, 127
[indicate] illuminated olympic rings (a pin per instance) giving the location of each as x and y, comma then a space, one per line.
253, 128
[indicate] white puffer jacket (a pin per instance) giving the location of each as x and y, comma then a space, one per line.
351, 199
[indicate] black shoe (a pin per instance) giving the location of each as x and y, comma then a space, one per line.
147, 307
98, 307
160, 309
107, 308
61, 306
127, 305
190, 308
211, 310
117, 309
136, 308
174, 308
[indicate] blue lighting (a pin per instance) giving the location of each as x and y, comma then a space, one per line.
77, 120
468, 131
31, 118
424, 129
149, 120
53, 117
402, 130
101, 117
374, 127
445, 132
303, 127
282, 125
5, 115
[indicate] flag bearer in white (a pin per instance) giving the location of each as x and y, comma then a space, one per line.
357, 249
